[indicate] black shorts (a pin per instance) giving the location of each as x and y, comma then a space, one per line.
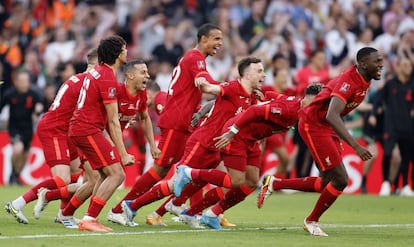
23, 135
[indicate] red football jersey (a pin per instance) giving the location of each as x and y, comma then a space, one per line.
61, 110
350, 87
278, 114
128, 105
306, 77
99, 88
159, 101
183, 96
232, 101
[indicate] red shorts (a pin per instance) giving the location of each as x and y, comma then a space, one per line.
240, 153
276, 141
172, 144
197, 156
97, 149
326, 148
57, 147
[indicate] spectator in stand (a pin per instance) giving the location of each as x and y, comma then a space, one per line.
61, 49
170, 50
339, 42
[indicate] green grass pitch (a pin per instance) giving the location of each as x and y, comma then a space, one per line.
354, 220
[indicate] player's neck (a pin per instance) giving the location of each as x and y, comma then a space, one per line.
130, 90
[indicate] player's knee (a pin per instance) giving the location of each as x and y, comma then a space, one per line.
237, 181
252, 183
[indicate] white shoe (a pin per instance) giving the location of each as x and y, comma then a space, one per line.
16, 213
313, 228
118, 218
175, 210
41, 203
406, 191
385, 189
193, 221
68, 221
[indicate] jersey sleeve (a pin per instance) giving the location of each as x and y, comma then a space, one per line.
253, 113
343, 90
108, 91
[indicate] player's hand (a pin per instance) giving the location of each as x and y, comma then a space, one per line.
128, 159
155, 152
363, 153
258, 94
200, 81
195, 119
223, 140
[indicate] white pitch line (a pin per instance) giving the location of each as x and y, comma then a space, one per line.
190, 231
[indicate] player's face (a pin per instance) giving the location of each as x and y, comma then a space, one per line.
141, 76
256, 75
123, 55
373, 65
214, 41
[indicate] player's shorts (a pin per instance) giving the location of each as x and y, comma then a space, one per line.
172, 144
240, 153
57, 147
326, 148
276, 141
97, 149
21, 135
197, 156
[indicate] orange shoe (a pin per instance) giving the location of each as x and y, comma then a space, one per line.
93, 226
155, 221
224, 222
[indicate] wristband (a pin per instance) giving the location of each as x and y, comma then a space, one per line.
234, 129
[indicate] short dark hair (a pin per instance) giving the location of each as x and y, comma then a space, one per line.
130, 64
204, 30
245, 63
364, 52
313, 89
91, 55
110, 48
152, 85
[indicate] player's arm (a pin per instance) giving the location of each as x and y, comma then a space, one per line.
146, 124
206, 87
253, 113
333, 117
202, 112
116, 133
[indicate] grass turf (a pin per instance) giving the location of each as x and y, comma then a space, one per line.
354, 220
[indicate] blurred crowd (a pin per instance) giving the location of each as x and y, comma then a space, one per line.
299, 41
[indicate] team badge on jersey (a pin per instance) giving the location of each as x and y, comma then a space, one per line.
344, 88
201, 64
276, 110
111, 92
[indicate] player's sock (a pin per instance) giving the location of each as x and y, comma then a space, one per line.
73, 204
210, 198
231, 198
143, 184
74, 177
309, 184
212, 176
156, 193
189, 190
326, 199
198, 196
161, 211
51, 184
61, 193
96, 206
